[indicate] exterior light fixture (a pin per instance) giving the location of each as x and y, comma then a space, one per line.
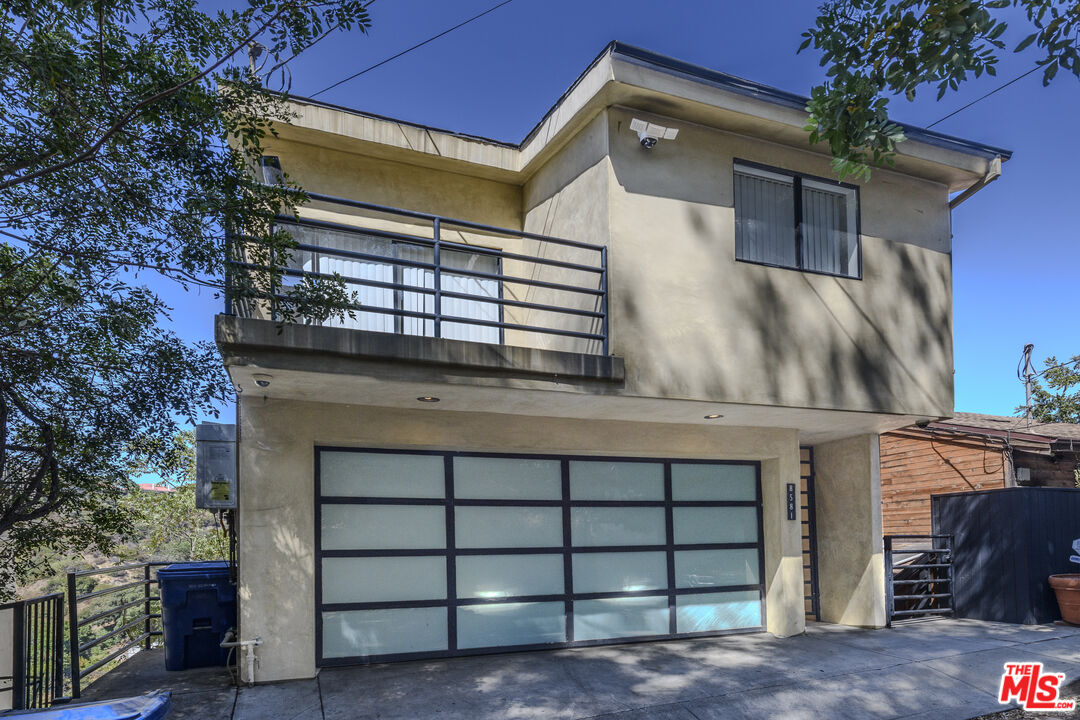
262, 379
428, 398
649, 133
713, 416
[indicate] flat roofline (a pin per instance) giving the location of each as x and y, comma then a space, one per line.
664, 63
776, 96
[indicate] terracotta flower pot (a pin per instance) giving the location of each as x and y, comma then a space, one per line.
1067, 590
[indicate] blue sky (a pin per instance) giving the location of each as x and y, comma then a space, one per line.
1015, 249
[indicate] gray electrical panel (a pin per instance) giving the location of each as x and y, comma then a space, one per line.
215, 466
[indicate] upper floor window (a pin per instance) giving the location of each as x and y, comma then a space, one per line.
388, 284
796, 221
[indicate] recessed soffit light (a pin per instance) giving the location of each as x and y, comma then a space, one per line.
428, 398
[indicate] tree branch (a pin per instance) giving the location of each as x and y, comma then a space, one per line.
91, 150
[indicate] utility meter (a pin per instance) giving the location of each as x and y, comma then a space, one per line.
215, 466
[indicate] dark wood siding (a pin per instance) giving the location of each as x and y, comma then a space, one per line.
1055, 470
916, 464
1005, 545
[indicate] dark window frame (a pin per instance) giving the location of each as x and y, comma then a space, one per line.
797, 178
567, 549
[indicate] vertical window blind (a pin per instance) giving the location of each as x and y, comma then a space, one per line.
796, 222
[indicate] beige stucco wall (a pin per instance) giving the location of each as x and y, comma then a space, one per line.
693, 322
851, 571
568, 198
323, 169
276, 519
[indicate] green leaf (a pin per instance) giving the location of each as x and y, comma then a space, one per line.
1050, 72
1026, 41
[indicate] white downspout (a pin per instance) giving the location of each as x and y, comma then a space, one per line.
993, 172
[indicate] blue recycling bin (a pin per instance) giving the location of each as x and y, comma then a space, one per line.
198, 606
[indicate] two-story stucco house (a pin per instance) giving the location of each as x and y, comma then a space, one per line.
590, 384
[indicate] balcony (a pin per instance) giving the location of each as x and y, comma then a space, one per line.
426, 289
417, 274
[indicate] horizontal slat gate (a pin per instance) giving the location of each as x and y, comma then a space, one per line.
918, 576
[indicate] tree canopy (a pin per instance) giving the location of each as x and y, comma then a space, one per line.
128, 132
1058, 401
879, 49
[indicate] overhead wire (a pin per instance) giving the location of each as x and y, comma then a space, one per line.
980, 99
418, 45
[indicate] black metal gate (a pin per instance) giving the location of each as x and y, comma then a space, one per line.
37, 649
808, 517
918, 576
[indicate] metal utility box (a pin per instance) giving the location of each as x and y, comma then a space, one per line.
215, 466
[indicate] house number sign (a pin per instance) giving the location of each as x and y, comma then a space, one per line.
791, 501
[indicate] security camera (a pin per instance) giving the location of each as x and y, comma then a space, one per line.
923, 424
650, 133
262, 379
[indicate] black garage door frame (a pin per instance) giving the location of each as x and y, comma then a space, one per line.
568, 596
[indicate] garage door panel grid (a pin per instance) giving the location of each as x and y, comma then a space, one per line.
529, 551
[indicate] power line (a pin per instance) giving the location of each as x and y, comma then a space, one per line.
491, 9
1001, 87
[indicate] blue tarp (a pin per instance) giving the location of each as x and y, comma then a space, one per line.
152, 706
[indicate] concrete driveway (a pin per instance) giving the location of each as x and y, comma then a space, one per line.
938, 669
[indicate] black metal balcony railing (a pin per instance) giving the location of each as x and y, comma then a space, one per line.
454, 278
37, 651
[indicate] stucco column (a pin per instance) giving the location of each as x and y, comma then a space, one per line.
784, 607
276, 549
851, 572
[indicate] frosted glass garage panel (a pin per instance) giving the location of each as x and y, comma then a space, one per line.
713, 482
382, 527
715, 525
502, 624
620, 617
357, 474
507, 478
593, 526
619, 571
709, 568
506, 527
599, 480
495, 576
383, 579
711, 612
362, 633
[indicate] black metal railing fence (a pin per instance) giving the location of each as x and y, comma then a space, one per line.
108, 620
918, 576
37, 651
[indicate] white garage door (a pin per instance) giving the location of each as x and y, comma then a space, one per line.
425, 554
